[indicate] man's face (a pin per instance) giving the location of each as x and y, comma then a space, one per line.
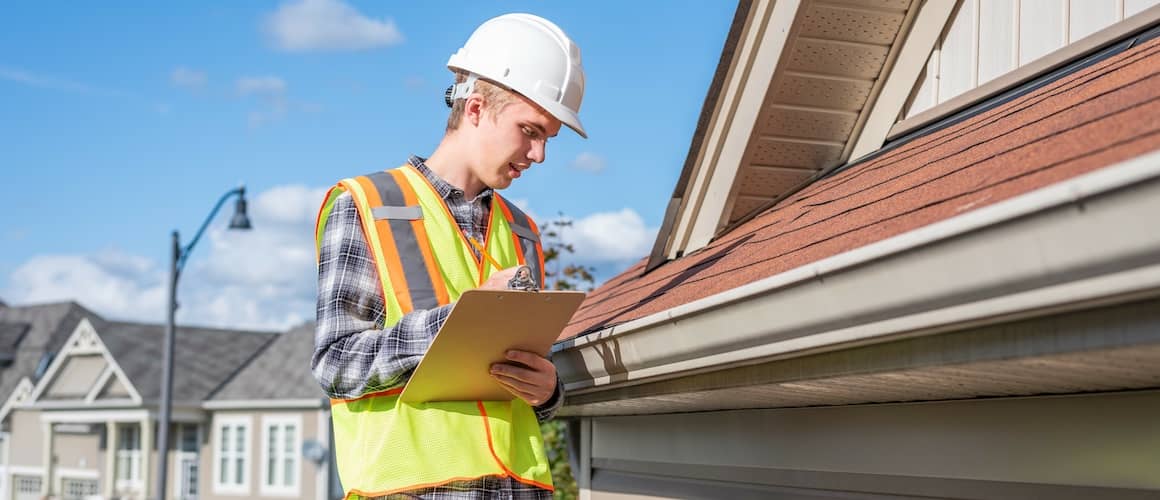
511, 141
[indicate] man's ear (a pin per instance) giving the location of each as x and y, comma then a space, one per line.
473, 109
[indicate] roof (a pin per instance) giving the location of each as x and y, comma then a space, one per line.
281, 371
204, 358
48, 326
10, 336
1086, 120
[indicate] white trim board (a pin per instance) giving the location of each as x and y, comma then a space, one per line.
262, 404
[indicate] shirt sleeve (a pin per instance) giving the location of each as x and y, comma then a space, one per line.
351, 355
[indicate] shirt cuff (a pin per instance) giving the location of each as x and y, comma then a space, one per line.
548, 409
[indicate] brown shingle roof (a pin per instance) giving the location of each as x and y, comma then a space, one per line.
1095, 117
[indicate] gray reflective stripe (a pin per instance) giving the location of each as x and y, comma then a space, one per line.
413, 212
532, 260
522, 228
522, 231
406, 243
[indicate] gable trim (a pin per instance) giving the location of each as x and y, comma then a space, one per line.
99, 386
18, 396
84, 340
925, 30
743, 95
706, 120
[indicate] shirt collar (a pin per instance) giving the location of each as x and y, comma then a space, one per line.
444, 188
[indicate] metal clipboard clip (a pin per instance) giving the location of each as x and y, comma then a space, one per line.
522, 280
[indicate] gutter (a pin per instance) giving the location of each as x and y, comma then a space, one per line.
1063, 247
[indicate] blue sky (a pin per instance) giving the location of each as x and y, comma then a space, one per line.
120, 122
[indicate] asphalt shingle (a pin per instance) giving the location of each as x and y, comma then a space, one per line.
282, 371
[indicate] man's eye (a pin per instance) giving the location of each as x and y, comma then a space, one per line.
529, 132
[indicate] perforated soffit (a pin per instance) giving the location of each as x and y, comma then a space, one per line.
836, 53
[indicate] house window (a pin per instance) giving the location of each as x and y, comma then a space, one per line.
281, 440
128, 456
27, 487
232, 449
77, 489
187, 461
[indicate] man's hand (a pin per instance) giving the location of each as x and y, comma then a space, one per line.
530, 378
499, 280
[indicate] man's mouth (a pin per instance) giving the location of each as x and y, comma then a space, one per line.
514, 171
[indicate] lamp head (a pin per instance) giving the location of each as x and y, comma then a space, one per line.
240, 220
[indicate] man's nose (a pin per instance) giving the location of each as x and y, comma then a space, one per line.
537, 152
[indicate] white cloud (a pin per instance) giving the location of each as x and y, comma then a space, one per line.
261, 279
261, 85
264, 278
113, 283
609, 237
312, 25
589, 162
52, 83
271, 90
188, 78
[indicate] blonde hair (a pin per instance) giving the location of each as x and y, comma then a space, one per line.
495, 99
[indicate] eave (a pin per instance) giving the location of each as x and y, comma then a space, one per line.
1063, 249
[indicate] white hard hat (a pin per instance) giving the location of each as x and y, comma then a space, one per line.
527, 54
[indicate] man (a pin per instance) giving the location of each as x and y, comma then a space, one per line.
397, 248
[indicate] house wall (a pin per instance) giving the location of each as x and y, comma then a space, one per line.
306, 470
78, 451
27, 438
76, 377
1090, 446
988, 38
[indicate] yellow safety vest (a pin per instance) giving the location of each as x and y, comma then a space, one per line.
384, 446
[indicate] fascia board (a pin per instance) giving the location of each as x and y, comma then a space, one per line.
1078, 223
720, 157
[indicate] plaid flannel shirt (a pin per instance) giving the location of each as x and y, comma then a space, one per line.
352, 356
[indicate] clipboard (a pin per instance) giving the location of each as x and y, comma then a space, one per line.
482, 326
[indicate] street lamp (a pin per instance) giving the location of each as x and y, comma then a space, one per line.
238, 221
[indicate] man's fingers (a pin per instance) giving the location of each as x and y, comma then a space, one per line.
517, 373
522, 390
533, 379
530, 359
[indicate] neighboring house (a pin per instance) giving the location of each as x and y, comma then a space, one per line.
247, 418
913, 252
276, 401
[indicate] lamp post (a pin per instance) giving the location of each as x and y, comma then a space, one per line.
179, 256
